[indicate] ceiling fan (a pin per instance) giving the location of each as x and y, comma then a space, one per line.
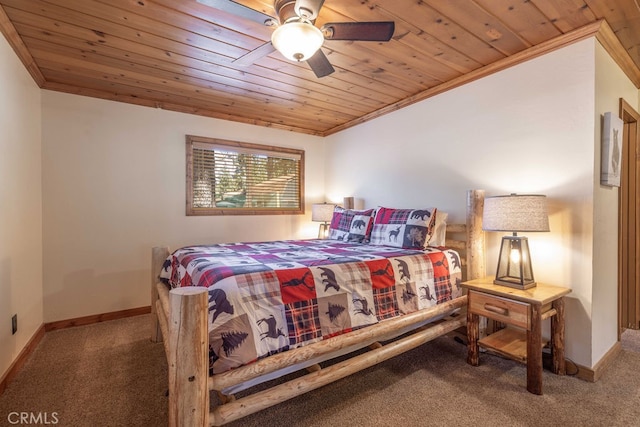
296, 36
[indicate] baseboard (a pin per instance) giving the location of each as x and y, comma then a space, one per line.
594, 374
52, 326
21, 359
96, 318
61, 324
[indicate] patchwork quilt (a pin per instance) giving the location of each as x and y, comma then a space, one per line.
268, 297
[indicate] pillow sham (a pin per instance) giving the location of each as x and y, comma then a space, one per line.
403, 228
350, 225
439, 237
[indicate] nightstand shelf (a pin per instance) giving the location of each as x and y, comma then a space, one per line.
523, 311
509, 342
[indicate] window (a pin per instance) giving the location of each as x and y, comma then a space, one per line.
237, 178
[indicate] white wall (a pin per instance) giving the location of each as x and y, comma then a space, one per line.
527, 129
20, 206
611, 85
114, 186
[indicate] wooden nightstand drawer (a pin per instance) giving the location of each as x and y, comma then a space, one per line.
500, 309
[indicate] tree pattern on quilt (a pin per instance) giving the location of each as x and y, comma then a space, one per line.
268, 297
232, 340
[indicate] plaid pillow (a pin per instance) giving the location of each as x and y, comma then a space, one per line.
403, 228
351, 226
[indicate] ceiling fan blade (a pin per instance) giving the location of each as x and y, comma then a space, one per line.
255, 54
320, 64
308, 8
361, 31
238, 10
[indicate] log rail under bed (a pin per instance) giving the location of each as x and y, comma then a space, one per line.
180, 317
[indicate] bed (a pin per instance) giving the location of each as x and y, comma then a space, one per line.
232, 316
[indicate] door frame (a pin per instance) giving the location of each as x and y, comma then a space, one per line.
629, 205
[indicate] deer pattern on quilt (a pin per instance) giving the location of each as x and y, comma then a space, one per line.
272, 328
268, 297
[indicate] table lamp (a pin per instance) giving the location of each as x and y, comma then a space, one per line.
515, 213
322, 212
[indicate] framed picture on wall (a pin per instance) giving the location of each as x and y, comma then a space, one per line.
611, 150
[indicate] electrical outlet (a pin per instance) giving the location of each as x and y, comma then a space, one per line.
14, 324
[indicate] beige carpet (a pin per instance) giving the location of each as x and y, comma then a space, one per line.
110, 374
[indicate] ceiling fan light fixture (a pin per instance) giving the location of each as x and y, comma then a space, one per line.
298, 40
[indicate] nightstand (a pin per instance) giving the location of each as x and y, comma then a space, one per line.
523, 312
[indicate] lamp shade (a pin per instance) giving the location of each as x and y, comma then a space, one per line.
298, 40
516, 212
322, 212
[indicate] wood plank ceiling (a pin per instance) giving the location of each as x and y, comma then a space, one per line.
177, 54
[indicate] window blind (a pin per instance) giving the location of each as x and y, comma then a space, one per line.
230, 177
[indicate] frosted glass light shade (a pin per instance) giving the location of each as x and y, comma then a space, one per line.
297, 41
514, 264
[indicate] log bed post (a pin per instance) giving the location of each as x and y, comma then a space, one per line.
187, 358
476, 267
475, 235
158, 255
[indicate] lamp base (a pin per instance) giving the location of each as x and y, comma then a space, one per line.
323, 231
514, 283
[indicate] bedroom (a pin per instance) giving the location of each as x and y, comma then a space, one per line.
81, 187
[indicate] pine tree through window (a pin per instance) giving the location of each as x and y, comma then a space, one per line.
238, 178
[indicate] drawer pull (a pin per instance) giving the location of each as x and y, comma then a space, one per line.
497, 310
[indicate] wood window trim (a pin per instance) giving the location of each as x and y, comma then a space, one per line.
192, 140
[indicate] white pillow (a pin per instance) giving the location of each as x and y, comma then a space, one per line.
439, 236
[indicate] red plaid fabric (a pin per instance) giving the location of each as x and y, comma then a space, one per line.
392, 216
267, 297
350, 225
405, 228
303, 321
342, 220
441, 276
386, 303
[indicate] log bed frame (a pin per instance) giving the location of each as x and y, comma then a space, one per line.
180, 317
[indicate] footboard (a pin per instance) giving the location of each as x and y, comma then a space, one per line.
179, 318
187, 348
